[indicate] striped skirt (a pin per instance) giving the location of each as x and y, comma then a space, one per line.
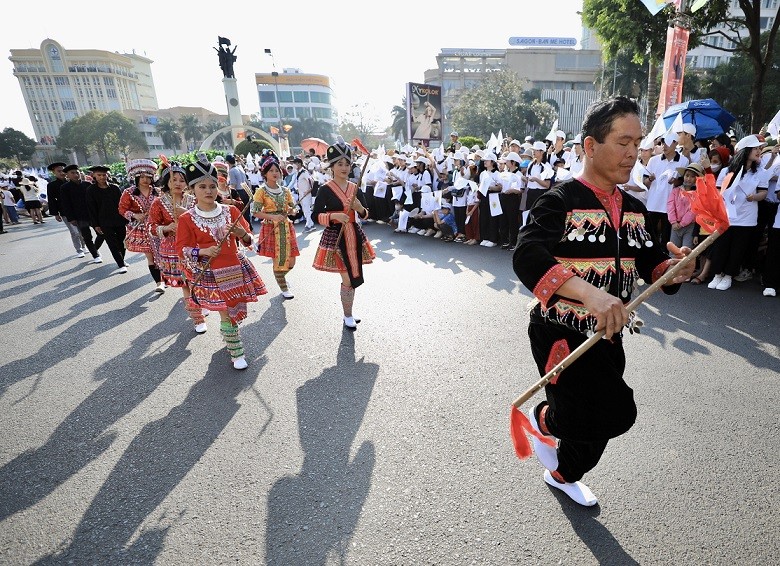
278, 241
138, 238
229, 289
328, 258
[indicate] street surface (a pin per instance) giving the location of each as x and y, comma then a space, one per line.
125, 438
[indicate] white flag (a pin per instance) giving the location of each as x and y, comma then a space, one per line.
552, 135
774, 126
495, 205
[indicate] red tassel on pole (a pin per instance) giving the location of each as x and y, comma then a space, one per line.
519, 427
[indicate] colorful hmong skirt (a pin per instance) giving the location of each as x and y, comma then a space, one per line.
328, 259
280, 244
229, 289
167, 261
138, 238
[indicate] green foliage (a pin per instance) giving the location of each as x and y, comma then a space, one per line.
471, 141
400, 125
254, 146
168, 130
500, 103
15, 144
110, 135
190, 128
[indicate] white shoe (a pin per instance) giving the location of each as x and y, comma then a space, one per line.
122, 269
438, 235
577, 491
744, 275
430, 232
201, 328
98, 259
80, 254
350, 322
488, 244
240, 363
715, 282
547, 455
770, 292
412, 230
287, 295
724, 284
160, 287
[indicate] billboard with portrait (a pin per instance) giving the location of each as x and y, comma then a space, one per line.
423, 107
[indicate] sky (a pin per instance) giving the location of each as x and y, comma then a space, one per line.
369, 50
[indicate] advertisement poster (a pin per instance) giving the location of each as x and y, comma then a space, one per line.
423, 107
674, 68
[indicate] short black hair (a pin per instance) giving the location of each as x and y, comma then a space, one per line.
601, 114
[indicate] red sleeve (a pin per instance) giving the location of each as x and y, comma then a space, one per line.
550, 282
127, 206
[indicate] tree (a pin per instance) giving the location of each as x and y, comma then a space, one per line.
309, 128
627, 25
168, 130
499, 103
191, 129
364, 125
223, 140
79, 135
621, 75
120, 136
253, 146
15, 144
757, 48
730, 84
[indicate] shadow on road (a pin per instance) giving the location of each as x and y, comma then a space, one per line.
314, 513
160, 456
84, 434
605, 548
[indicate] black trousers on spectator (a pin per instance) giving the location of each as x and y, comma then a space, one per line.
460, 218
509, 221
370, 203
115, 238
589, 403
488, 224
421, 223
772, 261
732, 249
661, 227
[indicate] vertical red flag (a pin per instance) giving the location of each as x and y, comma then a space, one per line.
674, 68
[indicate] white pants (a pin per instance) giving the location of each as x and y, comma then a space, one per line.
305, 204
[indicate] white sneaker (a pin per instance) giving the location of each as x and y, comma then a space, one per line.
438, 235
122, 269
770, 292
205, 312
240, 363
80, 254
547, 455
724, 284
577, 491
430, 232
715, 282
488, 244
98, 259
201, 328
744, 275
350, 322
160, 287
412, 230
287, 295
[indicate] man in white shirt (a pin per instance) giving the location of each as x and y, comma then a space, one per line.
304, 185
659, 183
686, 145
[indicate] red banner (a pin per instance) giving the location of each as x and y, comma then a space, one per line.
674, 68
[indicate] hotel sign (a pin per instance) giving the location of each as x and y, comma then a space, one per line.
543, 41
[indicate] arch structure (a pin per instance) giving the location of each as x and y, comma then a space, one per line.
206, 144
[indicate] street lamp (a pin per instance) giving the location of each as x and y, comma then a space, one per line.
275, 75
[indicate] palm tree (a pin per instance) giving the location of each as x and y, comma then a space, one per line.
169, 133
399, 127
309, 128
191, 129
223, 140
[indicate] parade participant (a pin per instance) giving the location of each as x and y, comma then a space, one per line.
207, 243
163, 221
73, 206
343, 247
226, 195
55, 208
273, 203
103, 205
582, 272
134, 206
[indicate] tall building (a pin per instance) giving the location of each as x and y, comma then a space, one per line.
565, 76
296, 95
59, 85
704, 57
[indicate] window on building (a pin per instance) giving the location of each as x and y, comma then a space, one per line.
267, 96
288, 112
450, 65
320, 97
472, 64
61, 81
303, 112
285, 96
301, 96
268, 112
321, 113
108, 81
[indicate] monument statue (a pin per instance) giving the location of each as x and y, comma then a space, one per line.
226, 57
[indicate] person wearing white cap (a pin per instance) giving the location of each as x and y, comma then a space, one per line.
134, 206
743, 184
512, 187
454, 143
771, 278
662, 171
556, 149
560, 258
574, 157
489, 182
686, 143
538, 176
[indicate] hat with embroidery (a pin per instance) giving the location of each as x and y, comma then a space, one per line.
136, 167
221, 167
338, 151
167, 168
269, 162
199, 170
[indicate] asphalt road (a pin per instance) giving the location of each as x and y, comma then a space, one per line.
125, 438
